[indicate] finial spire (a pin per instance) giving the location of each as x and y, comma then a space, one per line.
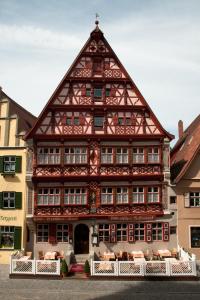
97, 21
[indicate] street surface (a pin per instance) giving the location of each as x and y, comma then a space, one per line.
73, 289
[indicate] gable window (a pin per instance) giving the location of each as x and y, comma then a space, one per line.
104, 232
153, 155
139, 232
42, 234
195, 237
62, 233
76, 155
106, 195
152, 194
124, 121
122, 195
122, 156
48, 196
122, 232
7, 237
72, 121
195, 199
138, 195
75, 196
98, 121
106, 155
138, 155
48, 156
157, 231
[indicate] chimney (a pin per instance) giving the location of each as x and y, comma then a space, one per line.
180, 128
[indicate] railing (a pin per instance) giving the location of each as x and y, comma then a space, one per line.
148, 268
35, 267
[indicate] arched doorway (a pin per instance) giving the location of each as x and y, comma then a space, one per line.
81, 239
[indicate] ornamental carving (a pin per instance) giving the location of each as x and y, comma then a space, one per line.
80, 211
44, 211
114, 171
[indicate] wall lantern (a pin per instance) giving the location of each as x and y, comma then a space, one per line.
94, 239
70, 240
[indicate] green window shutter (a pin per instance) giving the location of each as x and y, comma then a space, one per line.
18, 165
17, 238
18, 200
1, 164
1, 200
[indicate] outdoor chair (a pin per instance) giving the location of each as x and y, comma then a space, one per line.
40, 255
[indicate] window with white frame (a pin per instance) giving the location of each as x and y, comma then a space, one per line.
42, 233
104, 232
122, 195
153, 155
122, 156
195, 236
157, 231
9, 164
139, 232
106, 195
138, 155
138, 195
62, 233
7, 237
8, 199
75, 196
152, 194
76, 155
48, 196
122, 234
48, 156
106, 155
195, 199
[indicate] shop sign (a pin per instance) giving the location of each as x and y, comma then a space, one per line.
7, 219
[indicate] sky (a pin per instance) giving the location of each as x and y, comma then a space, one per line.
158, 42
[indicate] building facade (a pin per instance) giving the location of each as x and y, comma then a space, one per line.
14, 123
185, 170
100, 162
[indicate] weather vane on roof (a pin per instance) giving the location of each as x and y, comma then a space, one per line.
97, 21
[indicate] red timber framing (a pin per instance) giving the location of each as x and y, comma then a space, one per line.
97, 134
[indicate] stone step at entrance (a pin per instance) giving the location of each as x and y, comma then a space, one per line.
79, 258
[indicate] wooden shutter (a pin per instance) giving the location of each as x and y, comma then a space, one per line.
18, 164
113, 92
52, 233
18, 200
83, 91
1, 200
131, 237
148, 232
113, 233
115, 120
187, 199
165, 232
17, 238
81, 119
1, 164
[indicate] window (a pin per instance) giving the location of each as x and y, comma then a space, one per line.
138, 155
76, 155
72, 121
138, 195
75, 196
106, 155
152, 194
124, 121
195, 199
195, 237
122, 156
8, 199
107, 92
157, 231
62, 233
42, 233
172, 199
139, 232
48, 156
106, 195
9, 164
98, 122
7, 237
104, 232
48, 196
88, 92
172, 229
98, 93
153, 155
122, 232
122, 195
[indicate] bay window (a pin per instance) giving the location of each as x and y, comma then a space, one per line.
76, 155
138, 195
48, 156
75, 196
122, 195
106, 195
106, 155
153, 194
138, 155
153, 155
122, 155
48, 196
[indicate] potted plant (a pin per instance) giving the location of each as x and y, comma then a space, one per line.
87, 268
64, 268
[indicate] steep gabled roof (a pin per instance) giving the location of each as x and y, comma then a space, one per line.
185, 150
96, 35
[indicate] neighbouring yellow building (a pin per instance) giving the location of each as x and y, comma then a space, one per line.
15, 121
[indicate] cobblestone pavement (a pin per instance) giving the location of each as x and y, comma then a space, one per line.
72, 289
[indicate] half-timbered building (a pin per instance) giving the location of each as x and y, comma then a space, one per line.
100, 162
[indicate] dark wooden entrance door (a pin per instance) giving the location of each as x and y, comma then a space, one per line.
81, 239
